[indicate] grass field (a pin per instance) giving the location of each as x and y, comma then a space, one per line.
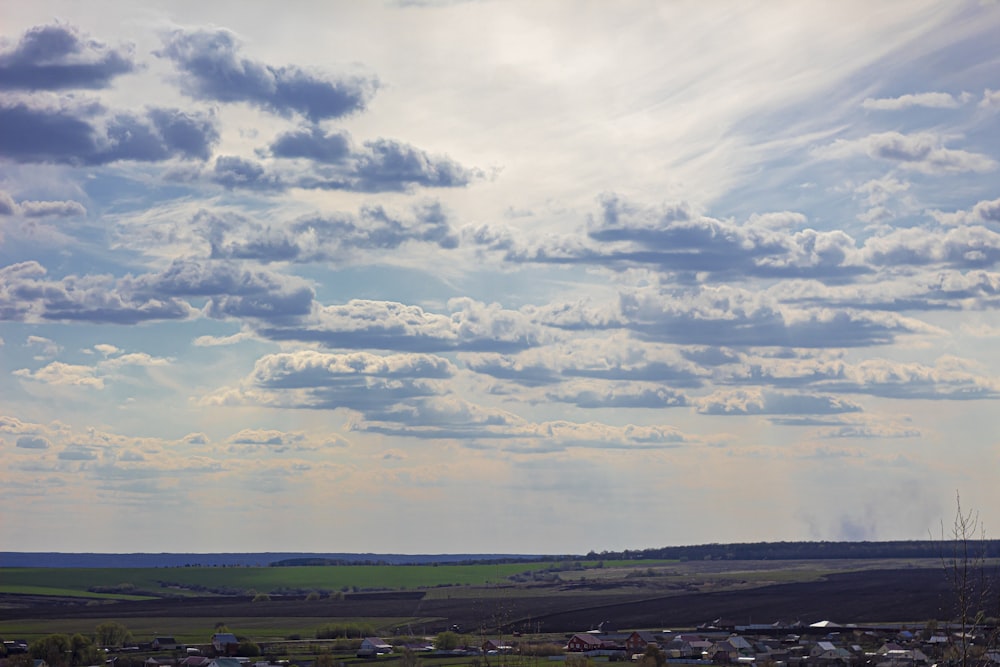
187, 581
193, 630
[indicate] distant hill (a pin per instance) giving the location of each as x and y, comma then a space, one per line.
58, 559
736, 551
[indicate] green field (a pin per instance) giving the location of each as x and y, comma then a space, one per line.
188, 581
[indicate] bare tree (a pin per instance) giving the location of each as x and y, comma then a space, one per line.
964, 560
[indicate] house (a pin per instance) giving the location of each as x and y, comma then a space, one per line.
164, 644
225, 662
195, 661
638, 641
496, 646
584, 642
225, 643
373, 646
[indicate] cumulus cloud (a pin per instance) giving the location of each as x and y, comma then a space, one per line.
387, 325
991, 99
315, 238
672, 238
949, 378
923, 152
58, 57
930, 100
27, 295
40, 209
761, 402
358, 381
59, 373
213, 69
983, 212
735, 317
314, 144
32, 442
645, 395
76, 137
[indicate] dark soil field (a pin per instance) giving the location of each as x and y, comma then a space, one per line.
864, 597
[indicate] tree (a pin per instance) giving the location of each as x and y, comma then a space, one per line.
53, 649
963, 558
446, 641
113, 634
83, 651
652, 657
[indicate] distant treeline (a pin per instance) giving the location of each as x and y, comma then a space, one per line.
805, 550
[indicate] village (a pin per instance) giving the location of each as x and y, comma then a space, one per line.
822, 644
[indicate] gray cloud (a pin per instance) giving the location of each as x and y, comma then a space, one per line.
755, 402
618, 395
40, 209
672, 238
213, 70
70, 137
235, 172
358, 381
233, 291
32, 442
314, 144
57, 57
922, 152
325, 238
387, 325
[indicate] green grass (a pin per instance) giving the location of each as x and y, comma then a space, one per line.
192, 630
77, 581
69, 592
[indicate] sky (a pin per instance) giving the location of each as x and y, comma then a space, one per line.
496, 277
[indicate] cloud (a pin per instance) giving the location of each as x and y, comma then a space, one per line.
212, 69
358, 381
40, 209
235, 172
77, 453
59, 373
949, 378
314, 144
618, 395
991, 99
33, 442
58, 57
930, 100
387, 325
671, 238
733, 317
761, 402
26, 295
983, 212
72, 136
921, 152
315, 238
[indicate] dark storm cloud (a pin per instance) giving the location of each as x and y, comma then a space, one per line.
57, 57
314, 144
325, 238
74, 137
213, 69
